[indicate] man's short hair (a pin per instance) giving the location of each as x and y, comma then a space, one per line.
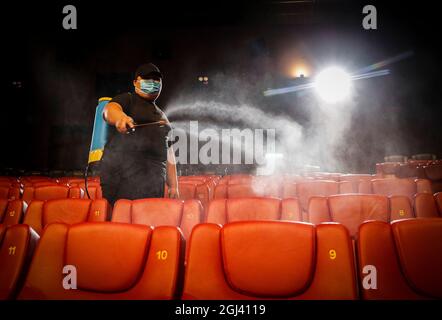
148, 71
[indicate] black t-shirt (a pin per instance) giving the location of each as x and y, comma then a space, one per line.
150, 141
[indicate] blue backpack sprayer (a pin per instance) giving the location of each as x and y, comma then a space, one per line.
99, 138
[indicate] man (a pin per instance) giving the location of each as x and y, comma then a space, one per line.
137, 161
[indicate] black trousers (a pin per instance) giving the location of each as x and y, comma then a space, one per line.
131, 175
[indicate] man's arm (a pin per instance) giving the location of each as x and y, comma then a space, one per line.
114, 115
172, 179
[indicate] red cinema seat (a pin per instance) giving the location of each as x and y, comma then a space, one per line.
434, 173
10, 193
111, 261
222, 211
159, 212
351, 210
403, 187
400, 208
94, 192
44, 184
306, 190
269, 260
9, 184
354, 180
195, 190
11, 212
70, 211
401, 260
16, 250
408, 170
438, 197
236, 179
244, 190
387, 169
50, 192
425, 206
93, 188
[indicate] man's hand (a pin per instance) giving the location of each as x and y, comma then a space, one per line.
173, 193
124, 123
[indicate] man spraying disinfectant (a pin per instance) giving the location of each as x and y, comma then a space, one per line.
138, 158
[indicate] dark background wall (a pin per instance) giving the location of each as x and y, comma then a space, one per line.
53, 77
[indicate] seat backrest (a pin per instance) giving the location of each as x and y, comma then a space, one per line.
44, 184
16, 250
240, 179
5, 184
403, 259
11, 212
438, 198
111, 260
387, 169
270, 259
306, 190
353, 210
400, 208
222, 211
390, 187
433, 172
354, 180
425, 206
70, 211
201, 191
160, 212
11, 193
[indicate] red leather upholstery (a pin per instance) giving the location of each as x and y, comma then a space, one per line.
50, 192
246, 190
198, 190
438, 197
11, 212
113, 261
10, 193
69, 211
400, 208
351, 210
406, 257
403, 187
306, 190
159, 212
270, 259
354, 180
16, 249
425, 206
93, 187
434, 173
222, 211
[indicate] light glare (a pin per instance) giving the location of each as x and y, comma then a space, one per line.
333, 84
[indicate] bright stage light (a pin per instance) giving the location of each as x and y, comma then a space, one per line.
333, 84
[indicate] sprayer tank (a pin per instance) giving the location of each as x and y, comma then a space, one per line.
99, 133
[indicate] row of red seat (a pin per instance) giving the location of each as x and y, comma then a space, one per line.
351, 210
48, 191
205, 189
241, 260
303, 189
29, 181
431, 171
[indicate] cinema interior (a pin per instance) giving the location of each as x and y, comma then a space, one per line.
266, 150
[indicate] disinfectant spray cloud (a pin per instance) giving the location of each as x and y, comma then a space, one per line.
217, 132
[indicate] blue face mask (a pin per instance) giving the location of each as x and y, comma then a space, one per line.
150, 86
